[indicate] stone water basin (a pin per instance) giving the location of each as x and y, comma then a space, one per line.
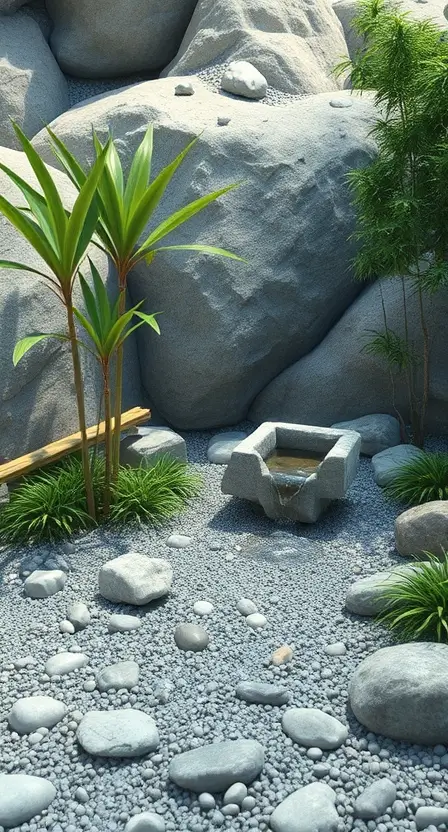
293, 471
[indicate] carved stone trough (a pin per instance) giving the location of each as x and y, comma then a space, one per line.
293, 471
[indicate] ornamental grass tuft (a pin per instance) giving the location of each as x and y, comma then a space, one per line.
50, 505
417, 604
421, 480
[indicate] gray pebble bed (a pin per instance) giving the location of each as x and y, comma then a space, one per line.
80, 89
191, 696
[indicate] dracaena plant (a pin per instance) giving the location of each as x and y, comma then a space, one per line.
126, 206
60, 238
106, 332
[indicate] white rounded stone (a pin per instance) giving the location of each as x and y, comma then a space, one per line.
246, 607
34, 712
256, 621
203, 608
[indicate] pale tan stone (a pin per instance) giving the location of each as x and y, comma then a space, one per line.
282, 655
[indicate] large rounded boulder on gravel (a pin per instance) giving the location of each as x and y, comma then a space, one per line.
135, 579
230, 327
401, 692
106, 39
423, 529
33, 90
293, 43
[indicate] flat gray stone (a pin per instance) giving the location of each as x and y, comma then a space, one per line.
242, 78
135, 579
22, 797
430, 815
34, 712
123, 623
235, 794
63, 663
309, 809
314, 728
388, 462
119, 676
150, 445
338, 648
378, 431
222, 445
262, 693
191, 637
366, 596
126, 733
42, 583
145, 822
400, 692
215, 767
78, 615
375, 799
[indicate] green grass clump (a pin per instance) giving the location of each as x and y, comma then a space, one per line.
417, 604
50, 505
152, 494
421, 480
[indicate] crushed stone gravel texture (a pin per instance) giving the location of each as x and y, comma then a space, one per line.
302, 595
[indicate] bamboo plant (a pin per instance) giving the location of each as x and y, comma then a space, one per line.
401, 197
126, 206
60, 238
106, 331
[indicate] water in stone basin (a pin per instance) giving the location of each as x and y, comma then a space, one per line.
290, 468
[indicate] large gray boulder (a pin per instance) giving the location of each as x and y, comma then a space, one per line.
33, 90
339, 380
230, 327
106, 39
423, 529
10, 6
400, 692
37, 399
294, 44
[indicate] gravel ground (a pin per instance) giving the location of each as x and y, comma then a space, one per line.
302, 598
80, 89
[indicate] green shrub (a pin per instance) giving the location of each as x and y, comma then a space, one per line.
50, 505
417, 604
423, 479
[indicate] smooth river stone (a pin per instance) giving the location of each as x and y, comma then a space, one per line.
23, 796
261, 693
63, 663
34, 712
215, 767
314, 728
123, 623
191, 637
125, 733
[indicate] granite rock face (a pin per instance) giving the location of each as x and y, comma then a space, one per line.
108, 39
339, 366
292, 159
378, 431
294, 44
33, 90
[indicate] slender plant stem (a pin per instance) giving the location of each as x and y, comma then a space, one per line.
403, 432
107, 438
81, 410
425, 396
122, 275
